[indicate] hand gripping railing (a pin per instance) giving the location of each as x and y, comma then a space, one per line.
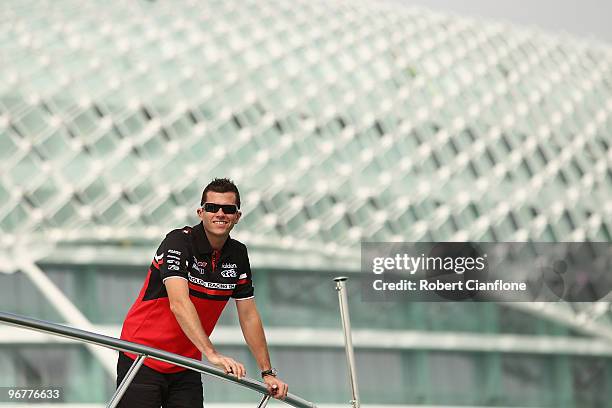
143, 352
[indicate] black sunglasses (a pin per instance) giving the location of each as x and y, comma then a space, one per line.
227, 208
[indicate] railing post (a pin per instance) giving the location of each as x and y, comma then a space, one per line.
127, 380
264, 401
348, 340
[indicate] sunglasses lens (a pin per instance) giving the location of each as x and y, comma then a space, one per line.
213, 208
229, 209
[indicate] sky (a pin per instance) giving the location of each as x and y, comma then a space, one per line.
587, 19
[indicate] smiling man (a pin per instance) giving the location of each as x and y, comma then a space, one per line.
194, 272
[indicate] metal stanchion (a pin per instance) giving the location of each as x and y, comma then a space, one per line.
348, 340
264, 401
127, 380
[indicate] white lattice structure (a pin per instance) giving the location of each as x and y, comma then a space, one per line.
339, 121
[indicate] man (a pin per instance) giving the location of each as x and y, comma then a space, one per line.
193, 274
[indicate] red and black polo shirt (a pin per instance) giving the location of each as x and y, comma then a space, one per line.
213, 277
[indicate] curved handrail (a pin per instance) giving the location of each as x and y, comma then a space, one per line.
149, 352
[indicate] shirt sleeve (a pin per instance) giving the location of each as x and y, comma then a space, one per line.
244, 288
172, 255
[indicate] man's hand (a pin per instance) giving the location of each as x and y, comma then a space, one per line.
276, 387
228, 364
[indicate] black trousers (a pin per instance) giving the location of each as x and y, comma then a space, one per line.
152, 389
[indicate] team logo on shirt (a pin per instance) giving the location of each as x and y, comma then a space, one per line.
198, 266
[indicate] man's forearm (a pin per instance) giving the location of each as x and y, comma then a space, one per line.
255, 337
253, 332
187, 317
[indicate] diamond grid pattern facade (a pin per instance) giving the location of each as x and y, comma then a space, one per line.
340, 122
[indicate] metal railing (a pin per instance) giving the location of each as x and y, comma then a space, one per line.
143, 352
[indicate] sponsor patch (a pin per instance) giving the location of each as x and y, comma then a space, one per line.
211, 285
228, 273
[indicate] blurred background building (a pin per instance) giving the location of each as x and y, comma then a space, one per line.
340, 121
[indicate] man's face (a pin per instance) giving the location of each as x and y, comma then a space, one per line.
219, 224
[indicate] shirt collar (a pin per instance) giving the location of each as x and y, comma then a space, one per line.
201, 240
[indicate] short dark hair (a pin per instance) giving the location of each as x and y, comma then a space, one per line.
221, 185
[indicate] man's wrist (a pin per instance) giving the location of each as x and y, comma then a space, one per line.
270, 372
